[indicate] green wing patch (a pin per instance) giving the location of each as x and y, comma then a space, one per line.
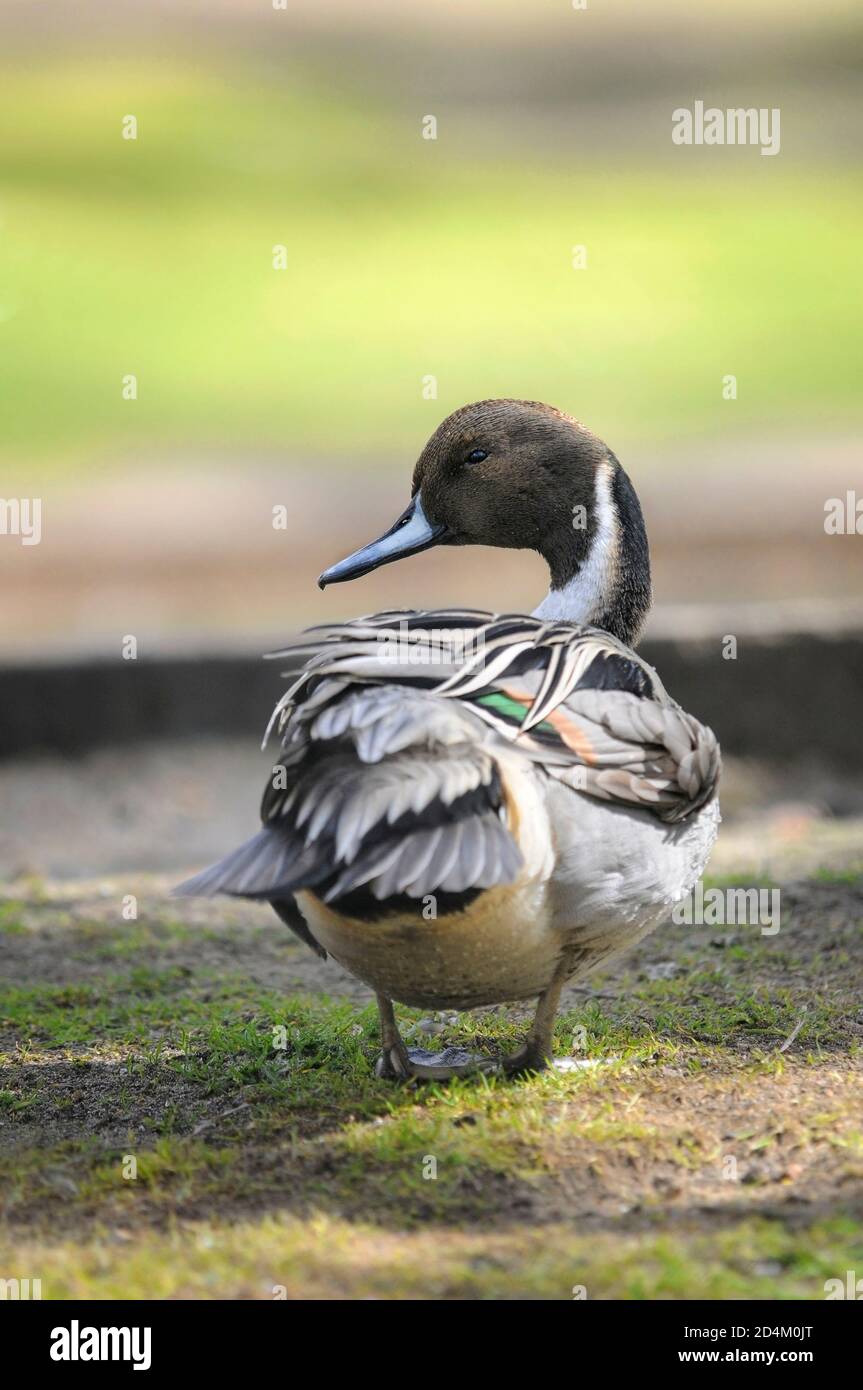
511, 708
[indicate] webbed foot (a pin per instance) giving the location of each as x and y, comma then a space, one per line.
400, 1063
528, 1059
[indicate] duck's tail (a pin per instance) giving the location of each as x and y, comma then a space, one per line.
266, 866
383, 804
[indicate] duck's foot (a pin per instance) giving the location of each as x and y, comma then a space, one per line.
400, 1063
529, 1058
404, 1063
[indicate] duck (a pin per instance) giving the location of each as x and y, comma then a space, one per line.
471, 808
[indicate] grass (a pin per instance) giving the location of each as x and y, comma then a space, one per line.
328, 1258
175, 1128
154, 257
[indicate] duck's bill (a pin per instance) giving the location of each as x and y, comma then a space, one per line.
410, 534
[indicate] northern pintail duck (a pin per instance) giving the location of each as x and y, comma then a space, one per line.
471, 808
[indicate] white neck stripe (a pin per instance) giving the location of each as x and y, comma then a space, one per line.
587, 595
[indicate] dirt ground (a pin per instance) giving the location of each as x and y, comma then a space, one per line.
188, 1106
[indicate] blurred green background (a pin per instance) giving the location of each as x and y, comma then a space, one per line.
409, 257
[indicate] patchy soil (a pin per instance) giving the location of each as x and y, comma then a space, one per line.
188, 1108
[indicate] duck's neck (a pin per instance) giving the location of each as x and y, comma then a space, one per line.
606, 584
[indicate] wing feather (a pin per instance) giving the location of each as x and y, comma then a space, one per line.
584, 701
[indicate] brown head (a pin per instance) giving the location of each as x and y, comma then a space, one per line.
525, 476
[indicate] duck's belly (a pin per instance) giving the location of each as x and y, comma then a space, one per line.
614, 877
500, 947
598, 878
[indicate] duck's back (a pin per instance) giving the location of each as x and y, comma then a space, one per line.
443, 774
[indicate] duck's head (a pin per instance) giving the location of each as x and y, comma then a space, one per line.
524, 476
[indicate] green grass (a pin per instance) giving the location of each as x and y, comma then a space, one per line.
303, 1067
329, 1258
170, 1127
405, 258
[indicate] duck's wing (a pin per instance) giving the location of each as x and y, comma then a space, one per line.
381, 791
397, 731
574, 699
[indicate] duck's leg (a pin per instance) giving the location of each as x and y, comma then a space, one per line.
392, 1063
398, 1062
537, 1051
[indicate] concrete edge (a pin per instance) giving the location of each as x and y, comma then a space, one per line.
781, 697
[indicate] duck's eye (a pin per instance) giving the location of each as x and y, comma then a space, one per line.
476, 456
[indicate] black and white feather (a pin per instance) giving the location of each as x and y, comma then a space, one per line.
393, 729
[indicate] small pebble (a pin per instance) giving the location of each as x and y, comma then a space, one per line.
429, 1026
663, 970
581, 1063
